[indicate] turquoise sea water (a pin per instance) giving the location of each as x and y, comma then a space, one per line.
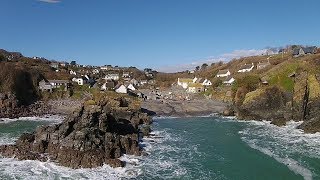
191, 148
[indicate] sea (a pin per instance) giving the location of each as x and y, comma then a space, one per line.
210, 147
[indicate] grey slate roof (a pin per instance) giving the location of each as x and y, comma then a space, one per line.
223, 71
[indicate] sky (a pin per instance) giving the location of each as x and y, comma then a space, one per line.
166, 35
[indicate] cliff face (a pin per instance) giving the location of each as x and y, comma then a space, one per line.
11, 108
310, 105
303, 104
20, 81
264, 104
93, 135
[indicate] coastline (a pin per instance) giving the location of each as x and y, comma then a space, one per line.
192, 108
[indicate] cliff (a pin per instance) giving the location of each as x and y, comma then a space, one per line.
99, 132
278, 105
265, 104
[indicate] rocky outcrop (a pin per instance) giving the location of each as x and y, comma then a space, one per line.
91, 136
265, 104
10, 108
311, 105
273, 104
183, 108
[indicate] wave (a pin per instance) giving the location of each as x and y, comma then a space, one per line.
288, 145
50, 118
14, 169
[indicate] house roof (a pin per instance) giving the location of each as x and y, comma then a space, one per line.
228, 78
196, 85
223, 71
309, 49
296, 51
200, 80
246, 66
264, 63
186, 80
58, 81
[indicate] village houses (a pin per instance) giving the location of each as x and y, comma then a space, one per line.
54, 65
195, 88
228, 81
304, 51
246, 68
108, 85
262, 65
114, 76
71, 72
203, 81
53, 84
223, 73
80, 81
106, 68
95, 71
184, 82
121, 89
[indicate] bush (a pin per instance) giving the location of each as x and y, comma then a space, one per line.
89, 102
250, 82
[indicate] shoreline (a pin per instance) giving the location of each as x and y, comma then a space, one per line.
192, 108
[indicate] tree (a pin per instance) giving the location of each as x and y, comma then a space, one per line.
197, 68
2, 58
204, 66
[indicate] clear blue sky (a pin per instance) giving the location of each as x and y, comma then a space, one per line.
153, 33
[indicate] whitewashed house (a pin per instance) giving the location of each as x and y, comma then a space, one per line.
55, 65
131, 87
106, 68
114, 76
195, 88
80, 81
229, 80
203, 81
262, 65
223, 73
59, 83
95, 71
206, 82
246, 68
184, 82
126, 75
73, 72
134, 82
121, 89
143, 82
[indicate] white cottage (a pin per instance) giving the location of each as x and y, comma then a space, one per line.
131, 87
246, 68
223, 73
206, 82
80, 81
184, 82
121, 89
73, 72
112, 77
229, 80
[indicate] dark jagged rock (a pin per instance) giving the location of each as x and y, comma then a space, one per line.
229, 111
10, 107
90, 137
268, 104
145, 130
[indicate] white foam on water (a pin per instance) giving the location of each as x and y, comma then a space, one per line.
290, 163
50, 118
5, 138
284, 144
14, 169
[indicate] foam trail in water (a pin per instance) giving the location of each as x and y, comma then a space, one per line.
50, 118
284, 144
